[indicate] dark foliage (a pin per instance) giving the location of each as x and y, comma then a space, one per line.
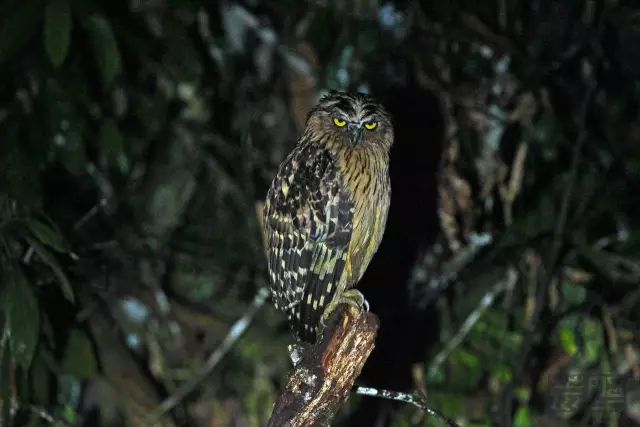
137, 141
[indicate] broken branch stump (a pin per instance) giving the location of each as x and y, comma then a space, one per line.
322, 380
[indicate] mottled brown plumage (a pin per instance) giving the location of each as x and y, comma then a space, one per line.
326, 209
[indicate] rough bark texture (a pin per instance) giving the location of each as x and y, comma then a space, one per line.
322, 380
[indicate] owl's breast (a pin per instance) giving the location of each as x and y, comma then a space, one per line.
371, 192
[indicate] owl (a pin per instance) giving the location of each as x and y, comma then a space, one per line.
326, 210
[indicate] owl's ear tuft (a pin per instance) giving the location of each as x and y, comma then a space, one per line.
331, 94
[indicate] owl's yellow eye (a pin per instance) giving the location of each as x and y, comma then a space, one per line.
338, 122
371, 125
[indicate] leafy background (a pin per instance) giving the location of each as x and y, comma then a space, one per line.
137, 140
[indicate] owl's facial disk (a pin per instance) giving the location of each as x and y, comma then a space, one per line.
354, 128
351, 120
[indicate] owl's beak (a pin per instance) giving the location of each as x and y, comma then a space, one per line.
355, 132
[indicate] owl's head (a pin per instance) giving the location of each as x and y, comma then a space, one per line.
352, 120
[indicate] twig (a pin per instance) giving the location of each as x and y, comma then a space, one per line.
236, 331
46, 416
322, 380
40, 412
413, 399
95, 209
510, 190
268, 36
507, 283
452, 267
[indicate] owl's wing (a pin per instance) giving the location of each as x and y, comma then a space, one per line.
308, 223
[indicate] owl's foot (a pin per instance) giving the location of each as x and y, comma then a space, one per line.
353, 298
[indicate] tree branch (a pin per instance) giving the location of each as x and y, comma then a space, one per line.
416, 400
236, 331
322, 381
505, 284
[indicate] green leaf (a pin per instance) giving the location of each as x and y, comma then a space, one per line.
48, 235
436, 375
57, 30
79, 359
105, 48
465, 368
522, 418
70, 415
502, 373
48, 258
593, 337
18, 24
573, 293
568, 340
111, 141
22, 316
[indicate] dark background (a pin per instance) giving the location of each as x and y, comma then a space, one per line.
137, 142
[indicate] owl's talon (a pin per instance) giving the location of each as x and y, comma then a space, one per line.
352, 298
